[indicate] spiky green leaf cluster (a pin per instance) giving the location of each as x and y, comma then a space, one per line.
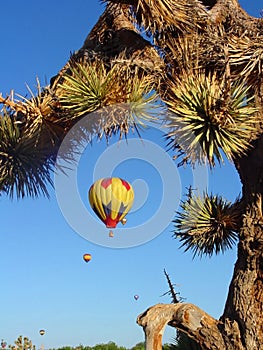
90, 86
25, 166
142, 100
209, 116
207, 224
85, 88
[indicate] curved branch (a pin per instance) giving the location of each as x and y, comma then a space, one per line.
187, 318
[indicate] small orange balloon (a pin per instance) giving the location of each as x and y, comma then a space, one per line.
87, 257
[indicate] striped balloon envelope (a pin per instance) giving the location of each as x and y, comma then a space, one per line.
111, 199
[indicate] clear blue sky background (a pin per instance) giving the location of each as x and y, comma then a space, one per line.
44, 281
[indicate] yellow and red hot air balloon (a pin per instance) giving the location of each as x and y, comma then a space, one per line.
87, 257
111, 199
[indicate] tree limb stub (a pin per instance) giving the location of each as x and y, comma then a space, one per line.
185, 317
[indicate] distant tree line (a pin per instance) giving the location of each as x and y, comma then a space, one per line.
177, 345
181, 342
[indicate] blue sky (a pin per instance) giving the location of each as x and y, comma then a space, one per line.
44, 282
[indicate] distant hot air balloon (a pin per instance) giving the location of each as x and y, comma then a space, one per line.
111, 199
42, 332
3, 344
123, 221
87, 257
136, 297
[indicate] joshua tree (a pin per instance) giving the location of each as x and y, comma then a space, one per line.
203, 64
22, 343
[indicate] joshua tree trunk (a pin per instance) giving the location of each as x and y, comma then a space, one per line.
244, 304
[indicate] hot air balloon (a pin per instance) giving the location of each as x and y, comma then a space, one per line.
111, 199
3, 344
87, 257
42, 332
123, 221
136, 297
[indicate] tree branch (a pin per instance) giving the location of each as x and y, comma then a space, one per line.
185, 317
